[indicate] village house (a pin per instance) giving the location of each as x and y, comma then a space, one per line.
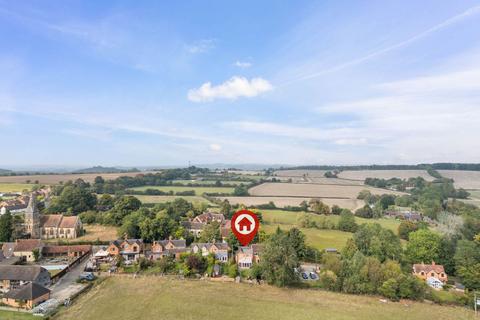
71, 252
14, 206
219, 249
208, 217
24, 248
197, 224
245, 257
195, 228
425, 271
14, 276
170, 247
26, 296
10, 260
405, 215
129, 249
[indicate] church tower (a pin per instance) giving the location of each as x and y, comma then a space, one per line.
32, 218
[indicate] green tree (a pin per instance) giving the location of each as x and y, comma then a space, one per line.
6, 227
211, 232
319, 207
467, 263
297, 239
36, 254
405, 228
347, 221
279, 259
364, 212
423, 246
373, 240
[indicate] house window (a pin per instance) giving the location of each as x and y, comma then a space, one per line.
442, 275
432, 274
422, 273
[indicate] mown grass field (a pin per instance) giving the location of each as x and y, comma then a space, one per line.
162, 199
281, 202
318, 238
12, 315
15, 187
102, 233
198, 190
122, 298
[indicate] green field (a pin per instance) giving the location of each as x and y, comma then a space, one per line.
320, 239
122, 298
162, 199
15, 187
198, 190
289, 217
12, 315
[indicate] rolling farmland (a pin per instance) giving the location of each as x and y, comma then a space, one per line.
463, 179
52, 179
281, 202
198, 190
300, 173
361, 175
313, 190
162, 199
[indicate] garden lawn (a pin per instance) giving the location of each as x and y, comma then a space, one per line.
126, 298
12, 315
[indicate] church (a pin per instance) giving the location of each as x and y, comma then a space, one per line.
51, 226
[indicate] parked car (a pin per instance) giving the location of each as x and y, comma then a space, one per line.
313, 276
304, 276
87, 276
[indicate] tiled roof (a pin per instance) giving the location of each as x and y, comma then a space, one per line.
28, 291
25, 245
8, 249
69, 222
428, 267
67, 249
23, 273
50, 220
176, 243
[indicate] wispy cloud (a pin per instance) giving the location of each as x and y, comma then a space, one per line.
231, 89
445, 24
242, 64
201, 46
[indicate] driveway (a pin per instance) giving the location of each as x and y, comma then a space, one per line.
67, 285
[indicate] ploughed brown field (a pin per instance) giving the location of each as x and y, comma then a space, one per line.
463, 179
281, 202
313, 190
384, 174
57, 178
300, 173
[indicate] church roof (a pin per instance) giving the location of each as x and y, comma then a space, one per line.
69, 222
50, 220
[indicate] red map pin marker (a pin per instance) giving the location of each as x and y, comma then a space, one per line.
245, 225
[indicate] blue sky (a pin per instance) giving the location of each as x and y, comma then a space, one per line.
300, 82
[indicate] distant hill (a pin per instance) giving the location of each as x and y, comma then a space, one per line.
100, 169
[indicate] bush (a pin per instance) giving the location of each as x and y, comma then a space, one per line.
347, 221
328, 280
389, 289
364, 212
